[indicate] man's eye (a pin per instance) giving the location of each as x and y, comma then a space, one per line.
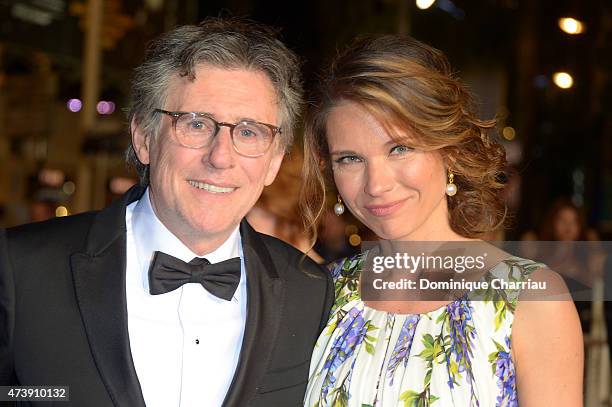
247, 133
250, 131
197, 125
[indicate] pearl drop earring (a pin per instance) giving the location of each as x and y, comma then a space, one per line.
339, 207
451, 188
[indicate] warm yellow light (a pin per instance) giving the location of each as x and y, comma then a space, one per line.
509, 133
355, 240
350, 230
563, 80
424, 4
571, 25
61, 211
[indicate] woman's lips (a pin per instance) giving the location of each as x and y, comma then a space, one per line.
386, 209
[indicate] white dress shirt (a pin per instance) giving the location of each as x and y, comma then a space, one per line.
186, 343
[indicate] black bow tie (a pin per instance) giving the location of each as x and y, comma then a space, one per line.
168, 273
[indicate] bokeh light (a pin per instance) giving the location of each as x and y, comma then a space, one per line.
350, 230
424, 4
563, 80
61, 211
105, 107
69, 187
51, 177
571, 26
74, 105
509, 133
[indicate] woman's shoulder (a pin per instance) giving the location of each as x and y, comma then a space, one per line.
514, 269
526, 290
529, 279
516, 280
547, 340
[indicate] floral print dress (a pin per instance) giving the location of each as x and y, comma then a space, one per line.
456, 355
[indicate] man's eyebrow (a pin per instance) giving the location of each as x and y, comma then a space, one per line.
248, 119
237, 119
198, 112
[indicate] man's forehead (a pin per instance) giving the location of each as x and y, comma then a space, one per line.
246, 91
214, 74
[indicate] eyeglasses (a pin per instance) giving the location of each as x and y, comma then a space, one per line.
197, 130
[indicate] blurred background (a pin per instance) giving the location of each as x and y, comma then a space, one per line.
544, 68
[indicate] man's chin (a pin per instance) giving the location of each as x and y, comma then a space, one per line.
209, 230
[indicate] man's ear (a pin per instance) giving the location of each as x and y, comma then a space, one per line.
274, 166
140, 142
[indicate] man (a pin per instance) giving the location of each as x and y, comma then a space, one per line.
119, 304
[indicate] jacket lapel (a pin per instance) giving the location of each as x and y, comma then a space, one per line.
265, 301
99, 280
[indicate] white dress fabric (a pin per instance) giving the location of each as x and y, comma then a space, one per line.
456, 355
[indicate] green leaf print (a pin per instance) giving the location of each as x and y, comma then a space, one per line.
498, 346
413, 399
331, 327
409, 396
500, 316
341, 399
437, 348
369, 348
426, 354
371, 328
428, 377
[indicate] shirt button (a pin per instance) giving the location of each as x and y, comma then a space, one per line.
197, 341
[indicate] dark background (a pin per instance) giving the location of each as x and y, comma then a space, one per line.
506, 50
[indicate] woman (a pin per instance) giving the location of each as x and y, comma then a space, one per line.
579, 263
397, 133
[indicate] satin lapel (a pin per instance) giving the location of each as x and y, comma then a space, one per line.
99, 280
265, 301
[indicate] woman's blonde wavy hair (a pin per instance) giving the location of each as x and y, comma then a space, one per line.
409, 85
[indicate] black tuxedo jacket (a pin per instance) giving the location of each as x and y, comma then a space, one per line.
63, 315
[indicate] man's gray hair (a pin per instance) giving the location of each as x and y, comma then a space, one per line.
230, 43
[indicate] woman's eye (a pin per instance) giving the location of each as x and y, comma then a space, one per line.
348, 159
400, 149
